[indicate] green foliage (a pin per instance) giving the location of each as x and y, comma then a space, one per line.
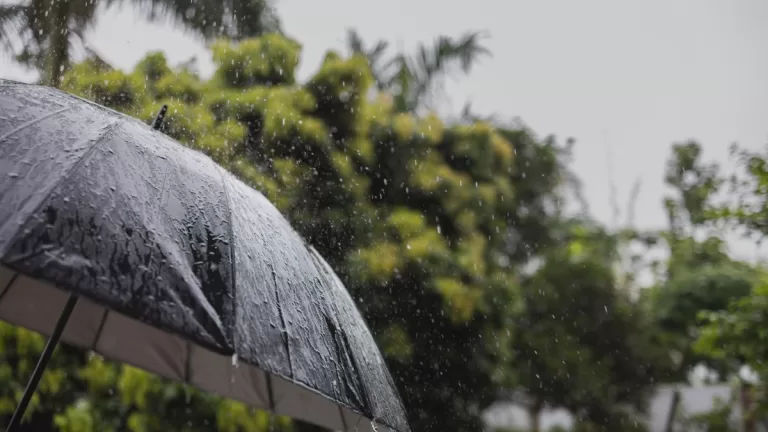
583, 344
268, 60
451, 238
414, 214
737, 334
699, 275
695, 183
86, 393
749, 191
19, 350
683, 300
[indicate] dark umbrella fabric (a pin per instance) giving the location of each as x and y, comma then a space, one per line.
181, 268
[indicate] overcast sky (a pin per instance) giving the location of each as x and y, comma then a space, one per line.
625, 79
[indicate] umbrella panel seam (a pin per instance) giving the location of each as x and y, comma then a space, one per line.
232, 259
67, 176
35, 121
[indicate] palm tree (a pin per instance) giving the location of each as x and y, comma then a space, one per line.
414, 79
230, 19
47, 30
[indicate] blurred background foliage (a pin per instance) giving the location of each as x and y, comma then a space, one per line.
452, 236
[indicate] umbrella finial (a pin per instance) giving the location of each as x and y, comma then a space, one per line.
159, 119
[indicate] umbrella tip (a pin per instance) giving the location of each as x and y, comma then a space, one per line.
159, 118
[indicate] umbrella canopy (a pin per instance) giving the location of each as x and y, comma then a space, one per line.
181, 269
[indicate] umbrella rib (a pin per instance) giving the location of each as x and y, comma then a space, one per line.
35, 121
232, 259
7, 287
99, 329
282, 321
187, 374
326, 270
67, 176
270, 392
188, 363
356, 368
343, 421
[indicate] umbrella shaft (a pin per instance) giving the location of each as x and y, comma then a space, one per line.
42, 363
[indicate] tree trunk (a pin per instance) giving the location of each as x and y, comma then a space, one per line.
672, 411
534, 416
58, 52
747, 414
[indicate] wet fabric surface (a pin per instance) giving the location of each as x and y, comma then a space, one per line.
101, 205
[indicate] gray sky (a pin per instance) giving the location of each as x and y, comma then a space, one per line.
625, 79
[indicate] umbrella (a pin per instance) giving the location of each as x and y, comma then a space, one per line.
117, 239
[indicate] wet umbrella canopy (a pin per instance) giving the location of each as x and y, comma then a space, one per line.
175, 266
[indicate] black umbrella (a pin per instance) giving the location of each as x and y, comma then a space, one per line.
117, 239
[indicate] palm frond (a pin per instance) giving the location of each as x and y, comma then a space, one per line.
373, 56
433, 63
446, 52
233, 19
355, 42
411, 78
12, 25
82, 14
470, 49
97, 59
378, 50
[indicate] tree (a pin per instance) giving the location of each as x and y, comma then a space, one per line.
736, 335
699, 274
582, 342
427, 224
47, 29
19, 350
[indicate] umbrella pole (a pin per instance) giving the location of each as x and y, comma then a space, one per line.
42, 363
